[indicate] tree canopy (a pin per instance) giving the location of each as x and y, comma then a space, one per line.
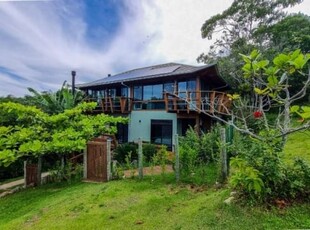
248, 25
28, 132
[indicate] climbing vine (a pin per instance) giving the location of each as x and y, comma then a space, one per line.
27, 132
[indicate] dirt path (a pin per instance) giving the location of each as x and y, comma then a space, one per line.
148, 171
17, 183
128, 173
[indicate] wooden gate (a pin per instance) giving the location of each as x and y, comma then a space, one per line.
97, 161
31, 177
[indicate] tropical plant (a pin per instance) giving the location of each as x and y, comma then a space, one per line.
57, 102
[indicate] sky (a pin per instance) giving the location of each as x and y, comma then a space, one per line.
41, 42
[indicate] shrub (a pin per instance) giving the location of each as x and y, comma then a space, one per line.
259, 173
149, 150
69, 173
122, 151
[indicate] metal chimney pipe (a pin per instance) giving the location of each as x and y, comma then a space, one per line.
73, 73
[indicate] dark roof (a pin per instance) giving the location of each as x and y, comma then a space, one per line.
156, 71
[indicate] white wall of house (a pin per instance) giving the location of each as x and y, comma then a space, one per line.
140, 124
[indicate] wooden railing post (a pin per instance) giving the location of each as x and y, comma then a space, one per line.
111, 104
166, 101
212, 98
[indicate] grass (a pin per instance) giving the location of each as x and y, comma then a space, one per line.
156, 202
298, 145
153, 203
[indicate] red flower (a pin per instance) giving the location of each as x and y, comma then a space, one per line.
257, 114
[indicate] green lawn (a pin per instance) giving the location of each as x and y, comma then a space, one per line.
298, 145
133, 204
153, 203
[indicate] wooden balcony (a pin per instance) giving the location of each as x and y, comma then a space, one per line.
116, 105
184, 102
198, 101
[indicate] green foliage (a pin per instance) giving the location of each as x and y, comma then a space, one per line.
26, 131
260, 174
69, 173
130, 164
149, 150
195, 149
161, 158
117, 170
57, 102
122, 151
251, 24
198, 153
302, 111
246, 177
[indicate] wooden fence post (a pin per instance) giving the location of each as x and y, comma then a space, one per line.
109, 176
39, 171
85, 163
177, 158
25, 173
223, 155
140, 158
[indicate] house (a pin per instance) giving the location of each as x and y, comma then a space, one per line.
161, 100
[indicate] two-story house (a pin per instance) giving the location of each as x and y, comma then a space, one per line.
161, 100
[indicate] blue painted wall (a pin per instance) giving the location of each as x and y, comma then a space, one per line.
140, 124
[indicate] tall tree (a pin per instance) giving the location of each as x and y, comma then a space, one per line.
235, 33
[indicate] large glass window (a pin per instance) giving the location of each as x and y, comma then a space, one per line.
169, 87
153, 92
111, 93
137, 93
124, 91
161, 132
182, 86
187, 86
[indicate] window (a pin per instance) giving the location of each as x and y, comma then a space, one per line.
153, 92
161, 132
124, 91
187, 86
111, 93
137, 93
169, 87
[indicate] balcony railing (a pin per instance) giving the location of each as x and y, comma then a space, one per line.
198, 101
116, 104
183, 102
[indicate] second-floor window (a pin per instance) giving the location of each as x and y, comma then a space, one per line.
153, 92
137, 93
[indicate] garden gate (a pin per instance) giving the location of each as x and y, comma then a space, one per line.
31, 174
96, 158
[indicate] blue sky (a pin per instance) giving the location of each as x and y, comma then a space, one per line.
42, 41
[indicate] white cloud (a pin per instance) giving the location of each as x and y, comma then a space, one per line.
43, 41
